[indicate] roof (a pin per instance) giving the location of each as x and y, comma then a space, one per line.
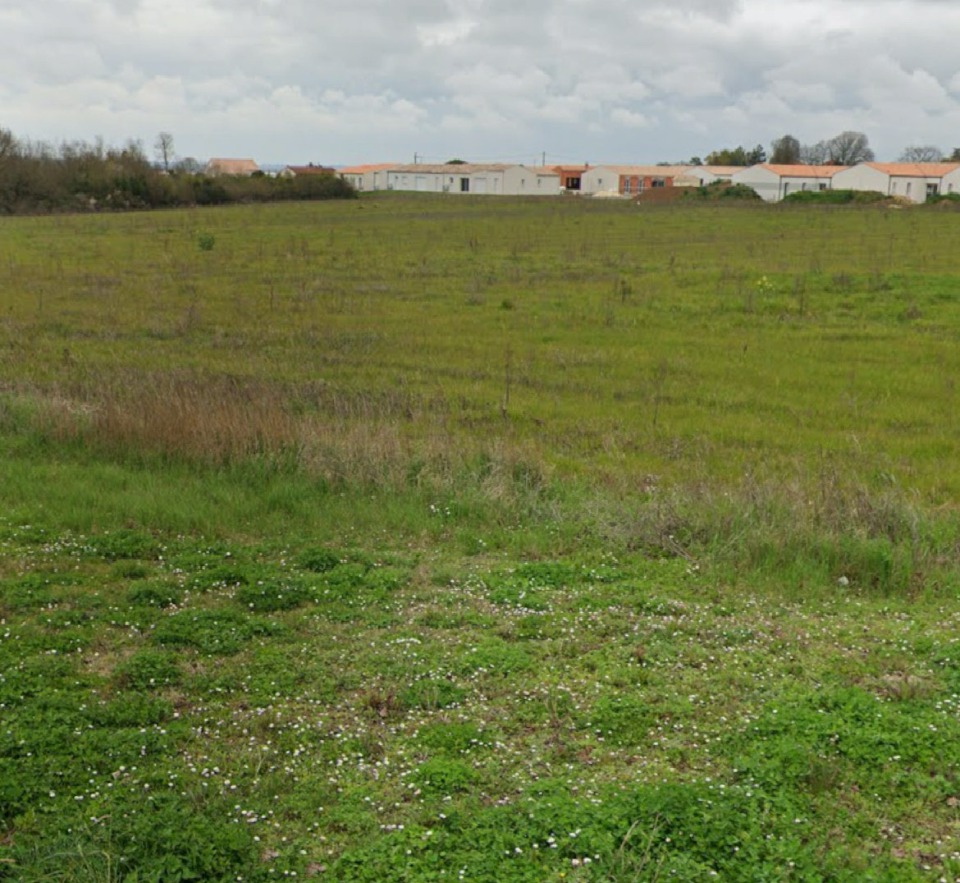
221, 166
915, 169
449, 168
310, 170
369, 167
802, 171
654, 171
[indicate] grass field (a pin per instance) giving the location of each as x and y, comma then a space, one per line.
480, 539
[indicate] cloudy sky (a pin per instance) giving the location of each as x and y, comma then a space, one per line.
349, 81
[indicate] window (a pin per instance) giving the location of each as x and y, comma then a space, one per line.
932, 189
822, 187
464, 185
909, 187
658, 182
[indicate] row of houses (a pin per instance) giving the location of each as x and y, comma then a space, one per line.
521, 180
911, 181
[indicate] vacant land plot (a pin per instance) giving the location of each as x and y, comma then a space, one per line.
438, 539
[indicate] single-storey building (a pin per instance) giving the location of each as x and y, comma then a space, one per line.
531, 181
478, 178
221, 166
700, 176
951, 181
910, 180
372, 176
628, 180
773, 181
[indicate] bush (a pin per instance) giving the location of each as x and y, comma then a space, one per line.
835, 197
77, 176
722, 190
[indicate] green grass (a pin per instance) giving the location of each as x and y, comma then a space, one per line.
492, 540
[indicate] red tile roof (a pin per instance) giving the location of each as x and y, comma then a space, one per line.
369, 167
231, 167
310, 170
801, 171
915, 169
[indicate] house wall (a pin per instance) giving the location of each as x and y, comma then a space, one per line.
799, 183
527, 181
420, 182
478, 181
373, 179
862, 177
914, 189
633, 185
599, 179
951, 182
765, 182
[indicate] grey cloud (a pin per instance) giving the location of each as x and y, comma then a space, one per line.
648, 81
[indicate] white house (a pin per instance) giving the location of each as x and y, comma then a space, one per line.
366, 177
447, 178
699, 176
531, 181
951, 181
478, 178
628, 180
913, 181
773, 181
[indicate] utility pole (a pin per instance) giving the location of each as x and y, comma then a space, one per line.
544, 162
415, 158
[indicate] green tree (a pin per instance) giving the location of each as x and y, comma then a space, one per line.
728, 156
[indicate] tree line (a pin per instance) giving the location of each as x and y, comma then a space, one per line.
36, 177
846, 149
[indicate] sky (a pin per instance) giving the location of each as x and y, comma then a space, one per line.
572, 81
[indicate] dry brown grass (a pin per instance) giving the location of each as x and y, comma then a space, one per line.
348, 439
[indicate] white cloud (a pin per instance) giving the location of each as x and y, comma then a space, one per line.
629, 119
363, 79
